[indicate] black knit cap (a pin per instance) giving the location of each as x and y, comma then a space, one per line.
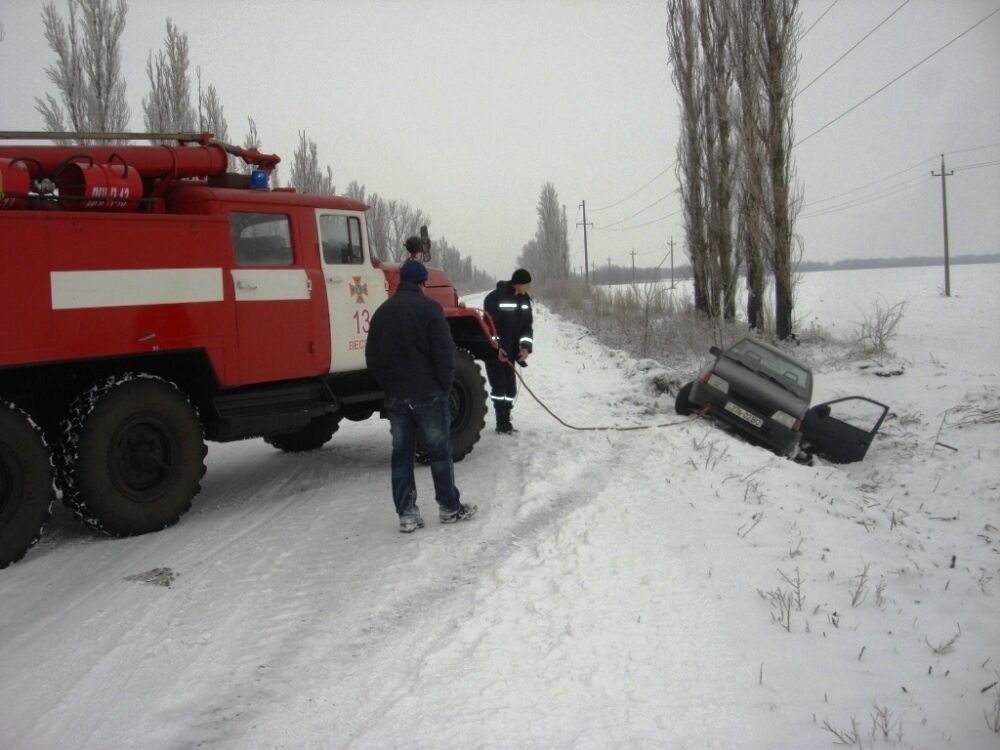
413, 244
520, 276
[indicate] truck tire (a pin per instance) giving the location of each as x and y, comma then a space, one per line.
26, 488
313, 436
132, 455
468, 405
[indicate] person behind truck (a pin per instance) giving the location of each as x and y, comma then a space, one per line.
411, 355
415, 249
510, 307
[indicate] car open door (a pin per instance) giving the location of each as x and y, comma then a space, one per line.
841, 430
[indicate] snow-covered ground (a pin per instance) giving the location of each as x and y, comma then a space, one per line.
617, 589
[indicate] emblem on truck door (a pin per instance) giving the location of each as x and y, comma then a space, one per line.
358, 289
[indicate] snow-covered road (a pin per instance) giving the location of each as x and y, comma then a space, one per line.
610, 593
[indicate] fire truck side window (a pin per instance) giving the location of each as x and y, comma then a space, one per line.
341, 238
261, 239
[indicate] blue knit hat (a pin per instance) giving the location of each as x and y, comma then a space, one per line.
413, 271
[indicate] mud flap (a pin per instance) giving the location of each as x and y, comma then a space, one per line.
841, 430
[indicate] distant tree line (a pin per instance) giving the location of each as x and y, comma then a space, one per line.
90, 96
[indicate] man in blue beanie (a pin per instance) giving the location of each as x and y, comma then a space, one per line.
411, 355
510, 307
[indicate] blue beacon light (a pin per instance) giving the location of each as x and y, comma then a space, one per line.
258, 179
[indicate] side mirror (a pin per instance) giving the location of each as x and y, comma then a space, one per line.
822, 411
714, 351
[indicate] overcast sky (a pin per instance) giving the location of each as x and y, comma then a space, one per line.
464, 108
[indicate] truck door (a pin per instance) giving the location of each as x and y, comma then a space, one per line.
274, 313
841, 430
354, 287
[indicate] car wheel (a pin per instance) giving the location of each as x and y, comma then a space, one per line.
682, 405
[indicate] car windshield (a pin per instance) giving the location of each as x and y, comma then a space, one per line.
786, 372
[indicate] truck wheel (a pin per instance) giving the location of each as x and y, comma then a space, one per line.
468, 405
468, 408
314, 435
26, 489
681, 404
132, 456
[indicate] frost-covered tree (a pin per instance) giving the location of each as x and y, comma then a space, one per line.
547, 255
777, 29
751, 188
686, 70
168, 107
307, 177
714, 26
87, 72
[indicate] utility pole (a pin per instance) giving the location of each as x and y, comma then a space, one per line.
585, 224
944, 209
671, 262
633, 265
609, 270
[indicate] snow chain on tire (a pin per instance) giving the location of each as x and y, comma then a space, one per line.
130, 463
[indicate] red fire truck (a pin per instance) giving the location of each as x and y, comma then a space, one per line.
150, 301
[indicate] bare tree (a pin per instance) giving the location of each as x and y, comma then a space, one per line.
307, 177
752, 171
683, 39
548, 254
777, 59
211, 118
168, 107
356, 192
714, 31
87, 72
403, 220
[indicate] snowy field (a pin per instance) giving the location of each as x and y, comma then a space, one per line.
616, 590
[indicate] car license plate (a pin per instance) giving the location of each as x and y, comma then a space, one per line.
743, 414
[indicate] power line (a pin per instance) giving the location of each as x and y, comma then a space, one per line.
869, 199
639, 226
637, 191
976, 166
813, 25
868, 185
854, 47
641, 210
905, 72
897, 174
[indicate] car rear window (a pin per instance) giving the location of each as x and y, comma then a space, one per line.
786, 372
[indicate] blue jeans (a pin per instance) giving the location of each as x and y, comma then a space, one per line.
432, 418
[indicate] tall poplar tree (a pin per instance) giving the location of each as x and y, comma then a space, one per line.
87, 72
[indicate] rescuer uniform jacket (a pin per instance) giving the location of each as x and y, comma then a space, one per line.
410, 352
512, 315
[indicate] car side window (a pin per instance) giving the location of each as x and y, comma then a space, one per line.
261, 239
340, 237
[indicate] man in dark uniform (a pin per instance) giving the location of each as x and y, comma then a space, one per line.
411, 355
510, 307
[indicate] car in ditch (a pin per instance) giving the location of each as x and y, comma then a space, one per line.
765, 395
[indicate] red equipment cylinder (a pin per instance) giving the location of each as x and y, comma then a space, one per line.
99, 187
15, 182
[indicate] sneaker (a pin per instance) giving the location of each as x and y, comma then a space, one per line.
464, 513
409, 524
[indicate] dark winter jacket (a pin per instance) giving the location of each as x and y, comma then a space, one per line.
410, 352
512, 315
